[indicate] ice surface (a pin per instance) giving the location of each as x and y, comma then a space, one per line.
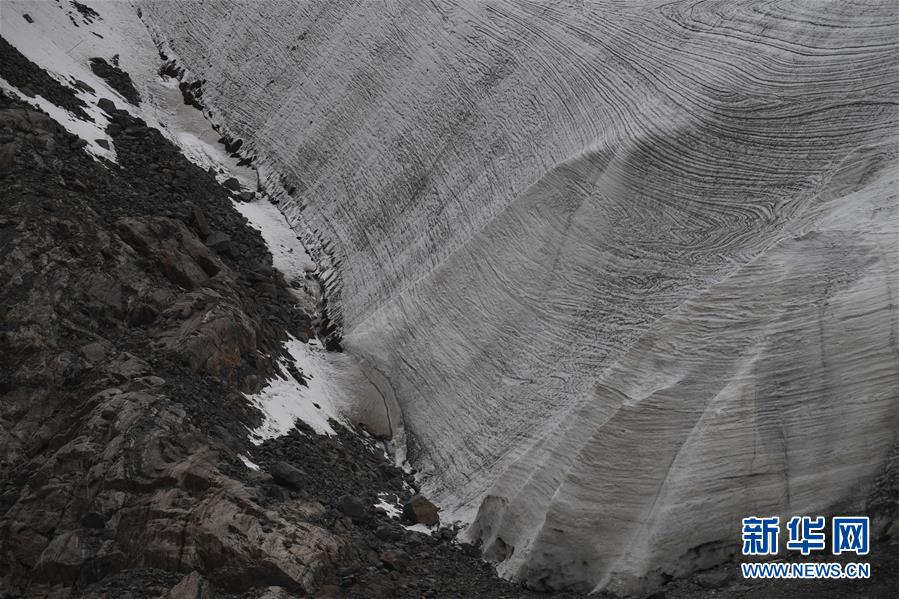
630, 269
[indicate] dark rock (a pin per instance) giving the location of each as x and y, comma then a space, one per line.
83, 86
198, 220
231, 183
96, 351
181, 257
102, 143
78, 144
220, 341
219, 242
142, 314
387, 533
395, 560
88, 13
136, 132
107, 106
117, 79
192, 586
28, 18
7, 157
287, 475
352, 506
419, 510
246, 196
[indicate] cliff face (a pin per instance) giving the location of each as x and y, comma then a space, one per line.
630, 272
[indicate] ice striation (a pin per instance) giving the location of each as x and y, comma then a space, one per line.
629, 269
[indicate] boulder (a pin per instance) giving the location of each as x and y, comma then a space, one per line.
192, 586
287, 475
183, 259
217, 340
387, 533
395, 560
106, 105
352, 506
199, 221
419, 510
219, 242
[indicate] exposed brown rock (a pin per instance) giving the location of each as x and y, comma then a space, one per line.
192, 586
419, 510
182, 258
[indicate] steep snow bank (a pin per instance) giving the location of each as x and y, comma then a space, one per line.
630, 270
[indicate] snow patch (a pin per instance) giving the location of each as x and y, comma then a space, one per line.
391, 509
246, 462
285, 400
288, 254
422, 528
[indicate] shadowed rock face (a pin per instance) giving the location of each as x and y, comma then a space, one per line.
630, 272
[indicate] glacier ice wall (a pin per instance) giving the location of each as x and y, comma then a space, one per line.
631, 271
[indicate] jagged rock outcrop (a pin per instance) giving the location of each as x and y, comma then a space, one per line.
629, 269
104, 468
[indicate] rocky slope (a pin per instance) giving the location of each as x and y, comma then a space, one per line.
137, 308
628, 268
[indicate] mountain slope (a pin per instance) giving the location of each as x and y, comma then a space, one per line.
628, 269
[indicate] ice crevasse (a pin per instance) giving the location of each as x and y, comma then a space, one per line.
629, 269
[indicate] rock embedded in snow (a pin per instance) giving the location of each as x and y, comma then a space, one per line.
107, 106
118, 79
418, 510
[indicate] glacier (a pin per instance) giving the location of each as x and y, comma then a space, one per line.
628, 269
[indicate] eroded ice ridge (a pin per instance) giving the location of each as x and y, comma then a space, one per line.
631, 272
